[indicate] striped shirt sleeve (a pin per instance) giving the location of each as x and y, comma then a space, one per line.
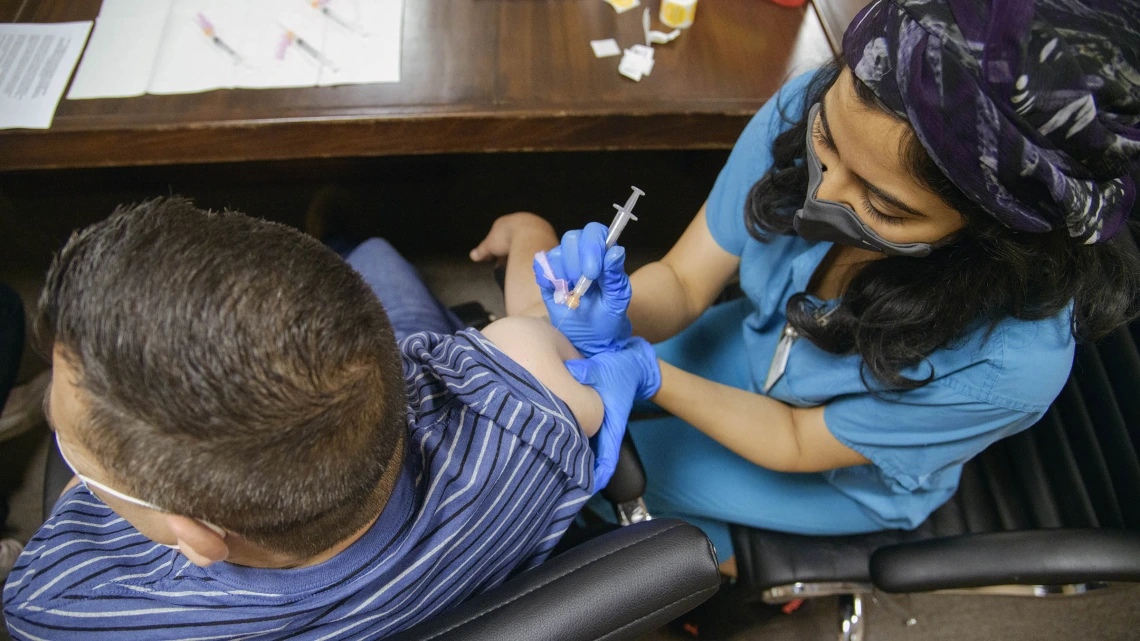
478, 375
496, 470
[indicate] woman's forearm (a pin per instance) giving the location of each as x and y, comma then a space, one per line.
756, 427
763, 430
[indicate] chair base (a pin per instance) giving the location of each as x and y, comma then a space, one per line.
1068, 589
632, 512
793, 591
852, 620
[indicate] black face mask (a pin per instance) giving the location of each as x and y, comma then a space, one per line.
838, 223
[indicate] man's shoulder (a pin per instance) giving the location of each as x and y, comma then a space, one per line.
462, 384
466, 368
80, 529
82, 548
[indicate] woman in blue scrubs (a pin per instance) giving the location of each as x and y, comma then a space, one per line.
921, 232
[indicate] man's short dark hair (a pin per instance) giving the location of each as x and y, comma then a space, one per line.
237, 371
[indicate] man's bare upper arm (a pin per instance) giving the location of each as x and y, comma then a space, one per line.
541, 350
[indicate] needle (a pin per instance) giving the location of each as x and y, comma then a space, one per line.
624, 215
322, 6
291, 38
208, 28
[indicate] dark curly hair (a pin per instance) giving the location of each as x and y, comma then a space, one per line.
898, 310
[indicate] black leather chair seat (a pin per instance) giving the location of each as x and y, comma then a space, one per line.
1058, 503
621, 585
767, 559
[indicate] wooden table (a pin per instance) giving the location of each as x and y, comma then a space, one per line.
477, 75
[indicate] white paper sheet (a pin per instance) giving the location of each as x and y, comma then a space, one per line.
35, 62
120, 56
132, 60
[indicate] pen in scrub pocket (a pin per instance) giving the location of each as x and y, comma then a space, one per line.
207, 28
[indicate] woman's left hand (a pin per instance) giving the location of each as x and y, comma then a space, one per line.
619, 378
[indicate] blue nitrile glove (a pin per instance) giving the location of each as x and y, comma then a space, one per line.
619, 378
600, 323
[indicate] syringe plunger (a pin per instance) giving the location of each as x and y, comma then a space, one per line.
623, 216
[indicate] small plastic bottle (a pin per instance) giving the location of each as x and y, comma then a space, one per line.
678, 14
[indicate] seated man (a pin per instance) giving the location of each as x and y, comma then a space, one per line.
259, 459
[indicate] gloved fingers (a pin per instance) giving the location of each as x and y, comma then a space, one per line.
607, 450
614, 261
650, 382
554, 257
614, 266
540, 277
605, 464
571, 261
607, 442
581, 370
591, 249
614, 283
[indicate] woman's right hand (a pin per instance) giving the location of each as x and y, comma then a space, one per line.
599, 324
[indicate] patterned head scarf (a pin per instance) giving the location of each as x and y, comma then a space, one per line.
1031, 108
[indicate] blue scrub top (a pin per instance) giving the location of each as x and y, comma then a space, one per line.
985, 387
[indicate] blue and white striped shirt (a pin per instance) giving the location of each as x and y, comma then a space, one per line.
497, 467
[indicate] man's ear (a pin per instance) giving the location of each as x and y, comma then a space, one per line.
202, 545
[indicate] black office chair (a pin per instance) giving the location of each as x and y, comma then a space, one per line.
1054, 510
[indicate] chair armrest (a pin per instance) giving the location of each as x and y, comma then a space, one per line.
620, 585
628, 482
1033, 557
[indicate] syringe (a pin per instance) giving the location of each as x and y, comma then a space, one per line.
625, 213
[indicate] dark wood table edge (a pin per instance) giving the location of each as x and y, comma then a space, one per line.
259, 140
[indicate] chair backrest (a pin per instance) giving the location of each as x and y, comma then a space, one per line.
1077, 467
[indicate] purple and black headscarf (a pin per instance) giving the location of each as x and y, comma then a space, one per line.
1030, 107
